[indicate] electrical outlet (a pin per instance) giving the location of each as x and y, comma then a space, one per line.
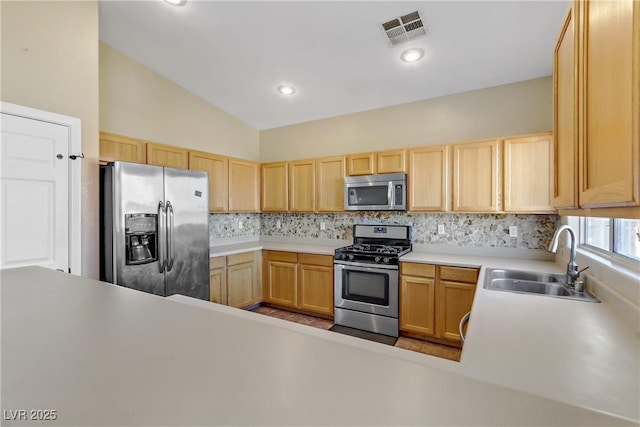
278, 224
440, 228
240, 225
513, 231
323, 225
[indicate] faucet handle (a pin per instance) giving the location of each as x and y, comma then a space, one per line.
580, 272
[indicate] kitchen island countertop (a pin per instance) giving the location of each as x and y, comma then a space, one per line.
102, 354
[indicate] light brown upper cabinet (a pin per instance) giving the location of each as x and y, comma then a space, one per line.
565, 110
609, 93
361, 164
167, 155
391, 161
476, 177
218, 169
429, 178
528, 173
116, 147
275, 181
330, 184
244, 186
302, 185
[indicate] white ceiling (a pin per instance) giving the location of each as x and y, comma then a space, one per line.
234, 54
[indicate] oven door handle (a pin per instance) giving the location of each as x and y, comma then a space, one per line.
360, 266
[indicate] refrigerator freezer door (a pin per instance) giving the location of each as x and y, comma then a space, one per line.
137, 189
187, 199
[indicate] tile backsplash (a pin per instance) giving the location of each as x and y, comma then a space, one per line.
461, 230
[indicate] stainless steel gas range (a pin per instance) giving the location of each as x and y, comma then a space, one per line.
366, 284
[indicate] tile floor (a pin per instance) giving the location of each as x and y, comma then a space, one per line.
412, 344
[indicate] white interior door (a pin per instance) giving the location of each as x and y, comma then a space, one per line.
34, 193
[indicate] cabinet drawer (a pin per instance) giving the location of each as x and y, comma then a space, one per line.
281, 256
459, 274
313, 259
217, 262
240, 258
415, 269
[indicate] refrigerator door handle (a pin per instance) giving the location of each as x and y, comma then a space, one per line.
161, 235
170, 257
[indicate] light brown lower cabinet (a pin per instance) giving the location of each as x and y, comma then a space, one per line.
300, 281
433, 299
234, 280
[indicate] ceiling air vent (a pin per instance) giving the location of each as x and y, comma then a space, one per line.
403, 28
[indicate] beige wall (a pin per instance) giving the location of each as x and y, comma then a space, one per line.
138, 102
517, 108
50, 62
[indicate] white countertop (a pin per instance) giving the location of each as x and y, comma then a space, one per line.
101, 354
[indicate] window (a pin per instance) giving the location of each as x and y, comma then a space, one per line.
618, 236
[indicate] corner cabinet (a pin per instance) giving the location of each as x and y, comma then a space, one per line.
528, 173
218, 169
244, 186
234, 279
330, 173
609, 91
476, 177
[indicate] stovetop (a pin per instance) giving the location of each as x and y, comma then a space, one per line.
376, 248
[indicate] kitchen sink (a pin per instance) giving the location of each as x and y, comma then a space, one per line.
527, 282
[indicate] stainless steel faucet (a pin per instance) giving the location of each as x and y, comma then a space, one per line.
572, 267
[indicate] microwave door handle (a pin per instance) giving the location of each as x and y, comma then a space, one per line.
390, 194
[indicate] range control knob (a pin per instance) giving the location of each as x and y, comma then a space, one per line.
378, 259
350, 256
385, 260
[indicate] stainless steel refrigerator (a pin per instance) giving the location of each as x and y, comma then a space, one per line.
154, 229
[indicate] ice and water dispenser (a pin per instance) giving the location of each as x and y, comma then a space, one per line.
141, 238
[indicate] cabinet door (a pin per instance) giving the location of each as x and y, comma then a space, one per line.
244, 186
391, 161
361, 164
429, 182
610, 115
330, 184
316, 283
475, 177
280, 278
116, 147
454, 300
218, 169
528, 174
565, 124
240, 279
275, 181
302, 186
167, 155
417, 304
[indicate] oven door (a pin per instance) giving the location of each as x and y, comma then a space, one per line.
365, 288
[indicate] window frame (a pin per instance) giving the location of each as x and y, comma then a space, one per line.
610, 254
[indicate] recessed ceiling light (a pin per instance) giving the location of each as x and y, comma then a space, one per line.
286, 89
412, 55
176, 2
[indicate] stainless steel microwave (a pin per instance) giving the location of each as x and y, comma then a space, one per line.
382, 192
